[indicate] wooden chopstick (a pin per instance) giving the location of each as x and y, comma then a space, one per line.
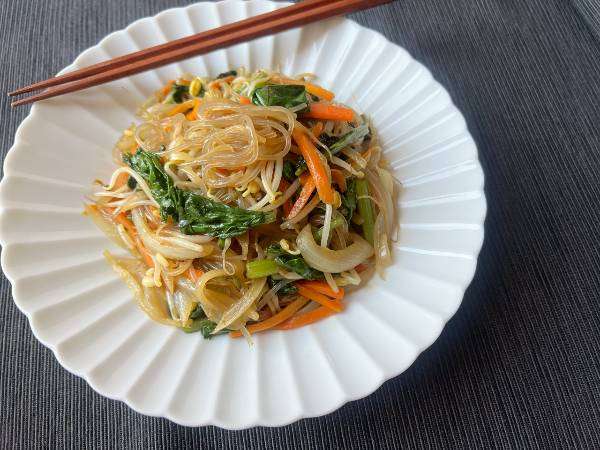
158, 49
281, 22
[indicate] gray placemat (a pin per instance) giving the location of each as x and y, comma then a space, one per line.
518, 365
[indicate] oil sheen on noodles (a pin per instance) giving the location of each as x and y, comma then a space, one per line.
248, 202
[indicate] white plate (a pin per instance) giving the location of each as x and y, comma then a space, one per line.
78, 307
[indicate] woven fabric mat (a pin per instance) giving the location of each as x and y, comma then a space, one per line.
518, 366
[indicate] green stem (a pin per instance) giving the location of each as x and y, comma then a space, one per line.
365, 209
261, 268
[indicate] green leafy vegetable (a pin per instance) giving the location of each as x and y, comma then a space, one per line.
293, 263
205, 216
347, 139
131, 183
178, 94
169, 198
288, 171
301, 167
227, 74
336, 221
365, 209
349, 199
196, 214
261, 268
202, 324
288, 289
286, 95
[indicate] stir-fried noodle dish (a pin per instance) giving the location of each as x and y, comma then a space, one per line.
247, 202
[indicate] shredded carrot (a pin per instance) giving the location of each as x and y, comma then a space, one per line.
316, 166
245, 100
323, 288
121, 180
326, 111
339, 179
132, 232
319, 91
334, 304
317, 130
216, 83
144, 252
303, 198
275, 320
194, 274
304, 177
127, 224
310, 88
133, 147
167, 88
306, 319
193, 114
181, 108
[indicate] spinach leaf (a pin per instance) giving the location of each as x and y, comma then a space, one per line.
178, 94
196, 214
169, 198
347, 139
227, 74
349, 202
288, 171
202, 215
289, 288
131, 183
205, 327
293, 263
286, 95
301, 167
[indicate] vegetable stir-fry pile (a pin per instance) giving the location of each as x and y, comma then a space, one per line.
249, 202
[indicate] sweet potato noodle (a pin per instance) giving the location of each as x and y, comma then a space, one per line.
248, 202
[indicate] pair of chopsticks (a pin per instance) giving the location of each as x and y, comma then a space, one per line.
282, 19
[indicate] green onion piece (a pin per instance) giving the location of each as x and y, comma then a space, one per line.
261, 268
365, 209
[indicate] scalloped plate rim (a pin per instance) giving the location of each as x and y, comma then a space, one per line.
8, 272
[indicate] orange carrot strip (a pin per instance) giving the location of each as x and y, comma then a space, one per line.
323, 288
193, 114
306, 319
144, 252
319, 91
275, 320
317, 130
304, 177
182, 107
322, 300
310, 88
165, 90
127, 224
121, 180
132, 231
245, 100
326, 111
315, 164
339, 179
303, 198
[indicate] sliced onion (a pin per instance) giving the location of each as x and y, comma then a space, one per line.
105, 226
239, 308
153, 244
333, 261
151, 300
326, 225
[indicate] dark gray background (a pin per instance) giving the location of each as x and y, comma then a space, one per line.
518, 365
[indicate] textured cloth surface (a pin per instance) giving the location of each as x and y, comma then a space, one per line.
518, 366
